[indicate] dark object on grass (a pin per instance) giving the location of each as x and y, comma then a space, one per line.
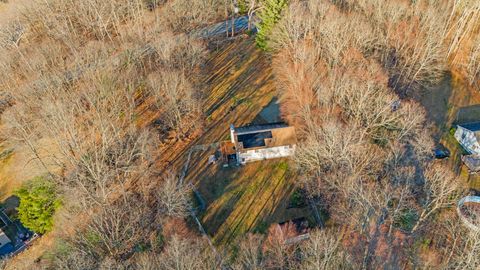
441, 152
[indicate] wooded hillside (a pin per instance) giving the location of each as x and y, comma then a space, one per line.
104, 100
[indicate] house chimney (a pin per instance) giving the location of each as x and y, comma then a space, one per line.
232, 131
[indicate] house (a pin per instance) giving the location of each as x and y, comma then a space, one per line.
468, 136
260, 142
6, 246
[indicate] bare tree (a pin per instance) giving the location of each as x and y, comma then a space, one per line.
250, 255
461, 245
75, 260
473, 66
176, 98
174, 200
115, 229
323, 250
66, 19
279, 254
21, 127
440, 188
184, 15
335, 153
97, 137
183, 254
460, 27
177, 51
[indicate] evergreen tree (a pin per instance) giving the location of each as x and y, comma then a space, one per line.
38, 202
269, 14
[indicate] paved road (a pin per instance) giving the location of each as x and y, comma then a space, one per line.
240, 24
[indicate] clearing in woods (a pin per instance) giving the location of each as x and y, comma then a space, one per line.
447, 103
248, 198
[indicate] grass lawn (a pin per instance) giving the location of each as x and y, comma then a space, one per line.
244, 199
247, 199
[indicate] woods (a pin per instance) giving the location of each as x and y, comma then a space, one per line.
81, 96
109, 96
343, 66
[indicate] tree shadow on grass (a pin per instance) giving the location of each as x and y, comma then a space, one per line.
237, 72
435, 100
249, 200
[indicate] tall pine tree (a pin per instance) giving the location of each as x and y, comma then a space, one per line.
38, 202
269, 14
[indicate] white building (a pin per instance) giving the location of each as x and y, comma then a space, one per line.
468, 136
260, 142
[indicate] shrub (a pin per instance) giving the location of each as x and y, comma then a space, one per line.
452, 131
38, 202
297, 199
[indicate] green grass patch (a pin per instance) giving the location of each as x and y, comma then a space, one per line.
249, 201
283, 165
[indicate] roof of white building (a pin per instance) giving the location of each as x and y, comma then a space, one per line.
468, 139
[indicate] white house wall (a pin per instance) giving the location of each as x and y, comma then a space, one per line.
467, 140
266, 153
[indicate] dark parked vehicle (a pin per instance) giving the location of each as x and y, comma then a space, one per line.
441, 152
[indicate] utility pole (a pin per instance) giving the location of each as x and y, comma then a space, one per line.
236, 10
226, 18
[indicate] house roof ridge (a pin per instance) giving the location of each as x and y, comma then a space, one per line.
260, 127
472, 126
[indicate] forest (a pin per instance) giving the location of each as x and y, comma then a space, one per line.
100, 101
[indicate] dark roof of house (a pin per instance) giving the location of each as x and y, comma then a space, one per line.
258, 128
256, 139
475, 126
